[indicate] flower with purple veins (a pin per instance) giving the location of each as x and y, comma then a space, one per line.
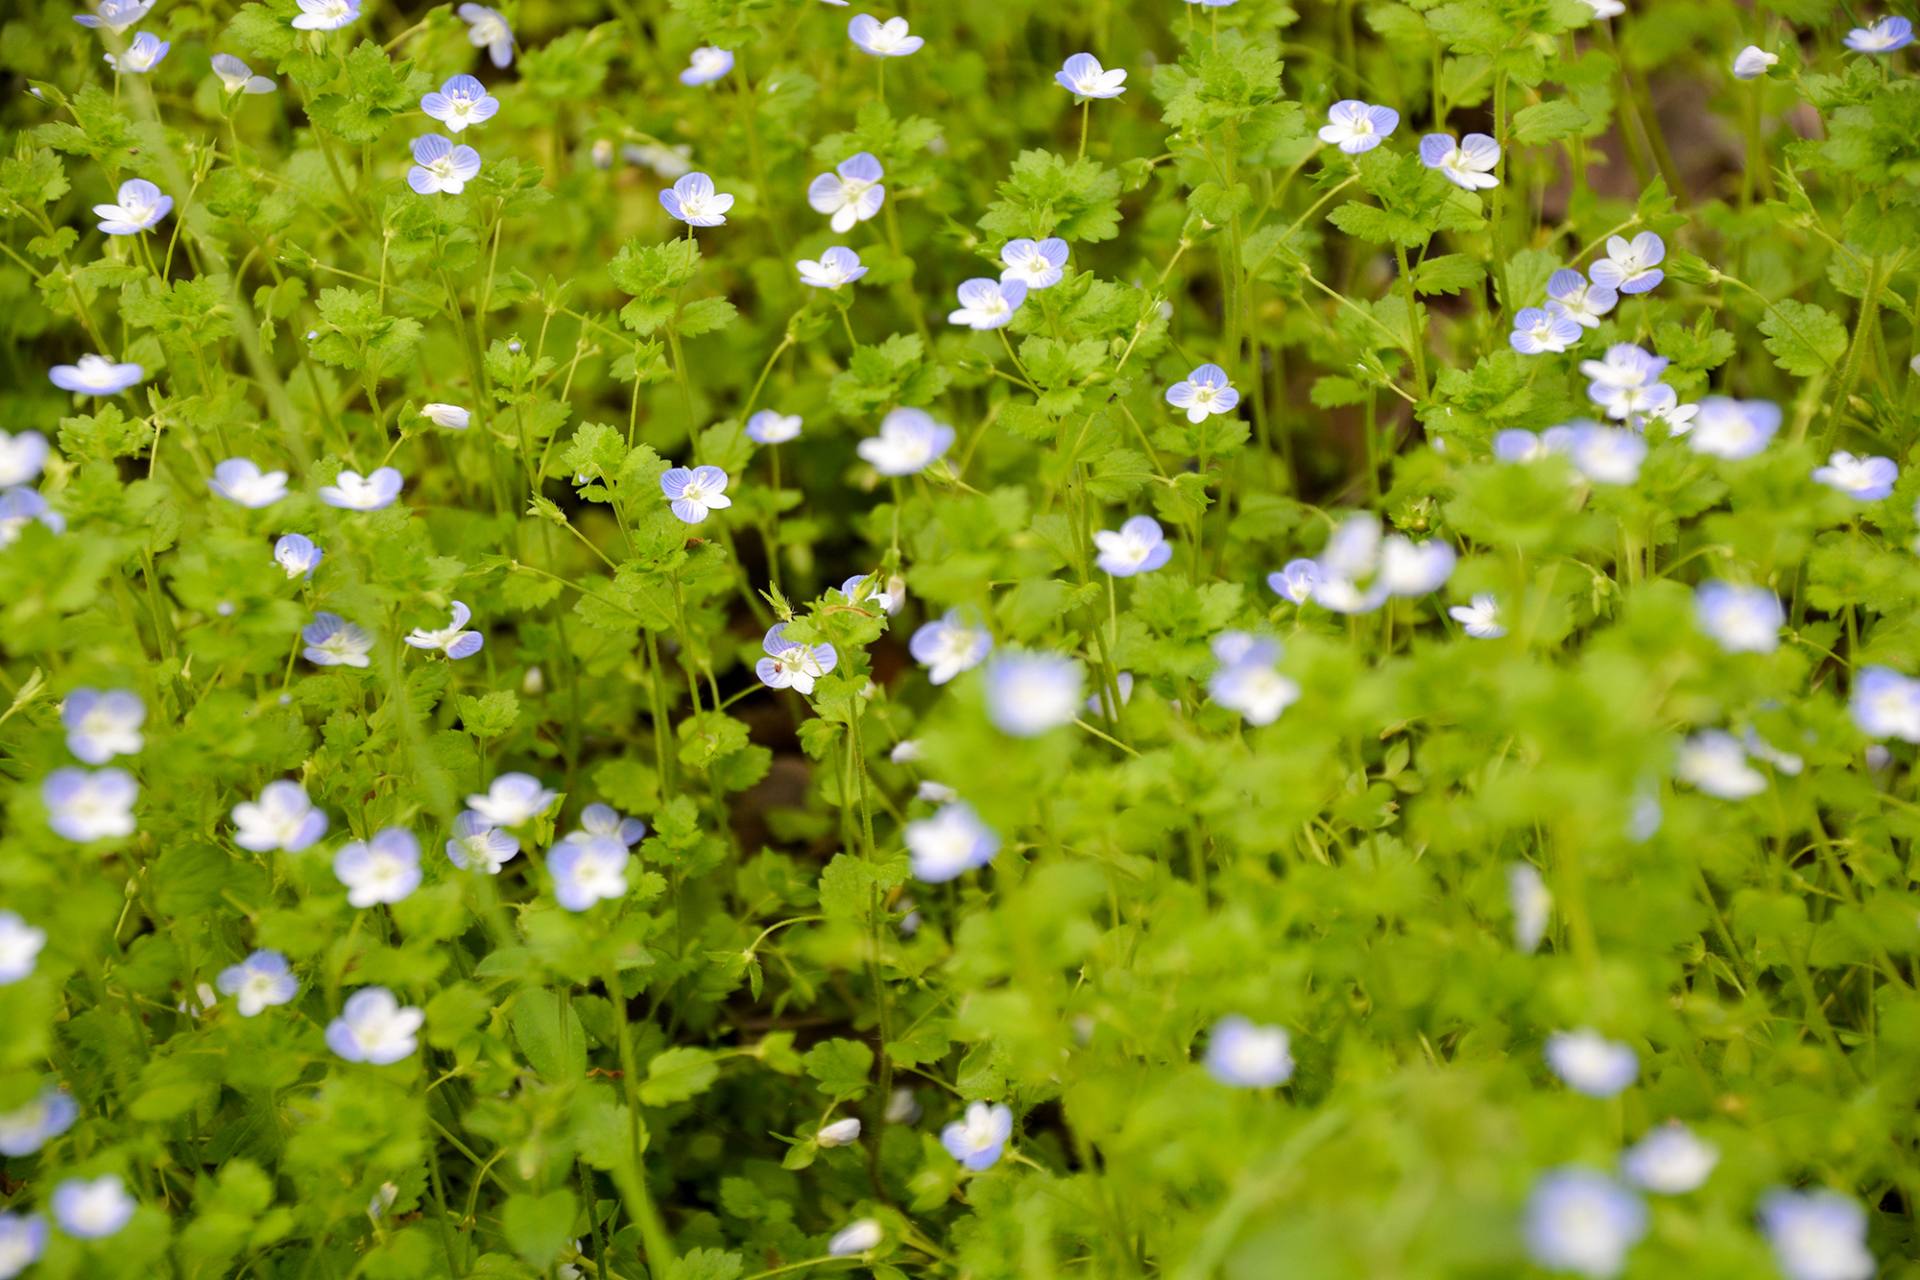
143, 54
332, 641
451, 639
325, 15
1538, 331
694, 200
138, 206
1357, 127
461, 102
236, 76
889, 39
986, 303
1203, 392
1570, 294
790, 664
1038, 264
115, 15
440, 167
1467, 164
851, 194
838, 266
693, 492
1294, 582
1883, 36
1084, 77
1631, 266
1480, 617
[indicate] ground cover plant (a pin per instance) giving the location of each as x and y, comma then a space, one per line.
736, 638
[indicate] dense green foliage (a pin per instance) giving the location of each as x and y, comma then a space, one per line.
637, 1089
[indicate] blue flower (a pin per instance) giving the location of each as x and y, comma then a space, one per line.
138, 207
22, 455
1467, 164
851, 193
351, 491
95, 376
297, 554
1727, 428
950, 843
837, 266
26, 1129
948, 645
20, 507
332, 641
375, 1028
1355, 126
865, 588
603, 821
1740, 619
693, 200
1030, 693
1583, 1221
479, 843
1623, 366
770, 427
142, 55
450, 639
1359, 570
487, 29
1605, 455
1670, 1160
1536, 331
262, 979
1248, 1055
1884, 36
1817, 1235
987, 303
1138, 547
512, 799
588, 870
1480, 618
115, 15
909, 442
241, 480
790, 664
1864, 479
84, 806
23, 1238
236, 76
693, 492
706, 65
1203, 392
383, 869
440, 167
1587, 1062
1038, 264
92, 1209
462, 101
20, 945
325, 15
977, 1141
1716, 763
101, 726
1247, 680
1631, 266
1295, 581
1084, 77
1886, 704
282, 818
887, 39
1569, 294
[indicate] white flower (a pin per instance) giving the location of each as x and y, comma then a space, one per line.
1670, 1160
839, 265
790, 664
1138, 546
840, 1133
351, 491
383, 869
1030, 693
1203, 392
1084, 77
261, 980
770, 427
143, 54
451, 639
1587, 1062
910, 441
1606, 8
1467, 164
694, 200
138, 206
1246, 1054
512, 799
94, 375
1631, 266
1753, 62
20, 945
92, 1209
1740, 619
1248, 680
1584, 1222
855, 1238
887, 39
986, 303
953, 841
325, 15
851, 193
375, 1028
948, 645
241, 480
487, 29
1817, 1235
22, 455
478, 844
282, 818
451, 417
236, 76
297, 554
1479, 619
1531, 903
115, 15
706, 65
1716, 763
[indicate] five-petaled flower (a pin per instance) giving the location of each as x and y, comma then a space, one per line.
586, 871
451, 639
694, 200
851, 193
138, 206
910, 441
1467, 164
115, 15
692, 492
260, 981
790, 664
1084, 77
837, 266
440, 167
887, 39
1356, 126
1537, 330
460, 102
1570, 294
